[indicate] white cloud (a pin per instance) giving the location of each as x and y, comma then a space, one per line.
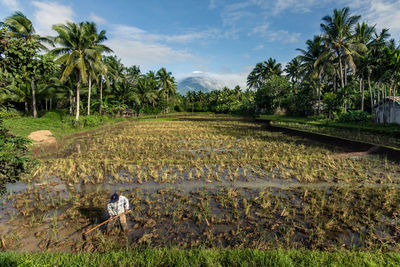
11, 4
258, 47
46, 14
225, 79
260, 30
231, 79
283, 36
275, 7
296, 6
232, 17
138, 47
241, 15
270, 35
383, 13
192, 36
97, 19
212, 4
135, 33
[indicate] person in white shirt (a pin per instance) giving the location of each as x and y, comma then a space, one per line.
117, 205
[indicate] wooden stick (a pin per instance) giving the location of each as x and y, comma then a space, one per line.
109, 220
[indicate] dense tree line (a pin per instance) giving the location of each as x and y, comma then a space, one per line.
350, 65
221, 101
73, 70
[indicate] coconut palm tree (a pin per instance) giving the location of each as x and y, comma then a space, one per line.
21, 27
262, 72
293, 70
97, 64
146, 91
167, 83
80, 50
272, 68
256, 76
364, 34
315, 60
337, 33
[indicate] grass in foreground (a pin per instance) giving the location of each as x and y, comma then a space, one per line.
203, 257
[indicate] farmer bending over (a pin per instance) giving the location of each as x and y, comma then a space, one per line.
117, 205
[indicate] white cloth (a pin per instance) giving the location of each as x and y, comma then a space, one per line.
118, 207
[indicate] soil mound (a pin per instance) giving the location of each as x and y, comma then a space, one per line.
43, 138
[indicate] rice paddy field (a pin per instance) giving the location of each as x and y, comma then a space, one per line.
203, 183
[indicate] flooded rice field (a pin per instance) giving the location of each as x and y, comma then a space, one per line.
203, 183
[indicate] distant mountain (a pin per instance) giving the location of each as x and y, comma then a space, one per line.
199, 83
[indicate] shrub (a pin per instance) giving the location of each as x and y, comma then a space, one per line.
10, 113
53, 115
14, 159
92, 121
354, 116
85, 121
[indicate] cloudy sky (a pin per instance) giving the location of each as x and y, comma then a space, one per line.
224, 38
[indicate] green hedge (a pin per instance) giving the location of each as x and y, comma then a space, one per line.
355, 116
203, 257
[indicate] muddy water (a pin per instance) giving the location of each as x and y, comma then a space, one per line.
57, 185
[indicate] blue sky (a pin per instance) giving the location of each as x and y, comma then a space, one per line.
222, 38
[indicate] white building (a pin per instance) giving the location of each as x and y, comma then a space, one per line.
388, 110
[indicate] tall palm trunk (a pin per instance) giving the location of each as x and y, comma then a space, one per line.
362, 93
34, 110
319, 95
89, 94
334, 81
26, 107
78, 87
101, 95
70, 105
370, 92
341, 69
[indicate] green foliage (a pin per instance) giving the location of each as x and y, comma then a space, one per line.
7, 113
85, 121
355, 116
93, 121
270, 96
54, 115
221, 101
298, 103
14, 158
330, 99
